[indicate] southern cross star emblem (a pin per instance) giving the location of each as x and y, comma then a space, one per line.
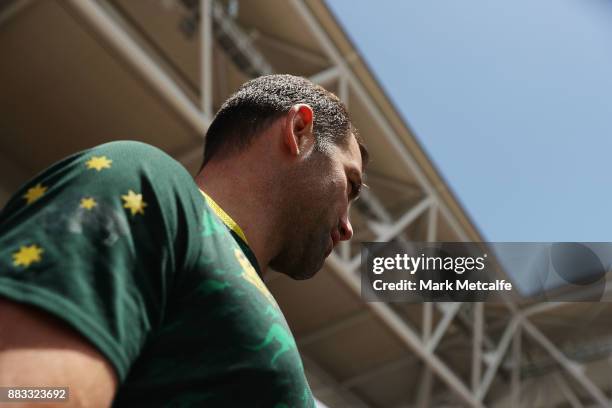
27, 255
134, 202
98, 163
34, 193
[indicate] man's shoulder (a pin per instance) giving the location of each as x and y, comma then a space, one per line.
108, 170
129, 159
137, 152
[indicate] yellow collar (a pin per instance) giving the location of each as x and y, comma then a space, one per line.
227, 220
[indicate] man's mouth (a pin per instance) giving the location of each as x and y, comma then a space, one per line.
335, 237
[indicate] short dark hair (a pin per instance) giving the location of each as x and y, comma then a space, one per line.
260, 101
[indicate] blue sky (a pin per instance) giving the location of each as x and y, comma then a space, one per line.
511, 100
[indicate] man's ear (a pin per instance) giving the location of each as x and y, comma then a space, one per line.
297, 133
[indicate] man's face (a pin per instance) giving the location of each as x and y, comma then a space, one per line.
319, 193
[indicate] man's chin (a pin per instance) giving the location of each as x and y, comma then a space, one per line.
303, 274
301, 271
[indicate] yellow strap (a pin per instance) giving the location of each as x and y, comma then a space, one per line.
227, 220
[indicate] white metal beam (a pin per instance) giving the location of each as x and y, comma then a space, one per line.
477, 344
498, 355
515, 384
326, 77
343, 91
398, 226
241, 43
571, 396
289, 49
343, 94
449, 312
409, 216
454, 224
133, 53
432, 223
206, 44
425, 386
573, 369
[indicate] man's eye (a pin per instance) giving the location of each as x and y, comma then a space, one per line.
355, 189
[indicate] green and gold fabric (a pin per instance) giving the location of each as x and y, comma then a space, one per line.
119, 242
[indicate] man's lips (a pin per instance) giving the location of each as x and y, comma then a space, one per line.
335, 236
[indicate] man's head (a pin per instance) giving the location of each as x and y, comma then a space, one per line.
314, 158
261, 101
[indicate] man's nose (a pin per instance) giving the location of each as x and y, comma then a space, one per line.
345, 228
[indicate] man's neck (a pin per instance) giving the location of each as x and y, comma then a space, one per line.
239, 194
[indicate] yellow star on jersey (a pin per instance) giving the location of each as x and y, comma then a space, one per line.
134, 202
34, 193
98, 163
27, 255
88, 203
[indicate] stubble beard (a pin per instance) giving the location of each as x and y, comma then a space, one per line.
305, 234
303, 252
304, 226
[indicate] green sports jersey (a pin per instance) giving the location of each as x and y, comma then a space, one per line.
119, 242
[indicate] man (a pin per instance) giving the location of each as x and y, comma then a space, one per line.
125, 280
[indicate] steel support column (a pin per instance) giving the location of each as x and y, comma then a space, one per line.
206, 44
516, 368
477, 344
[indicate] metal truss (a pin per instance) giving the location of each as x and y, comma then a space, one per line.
487, 355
